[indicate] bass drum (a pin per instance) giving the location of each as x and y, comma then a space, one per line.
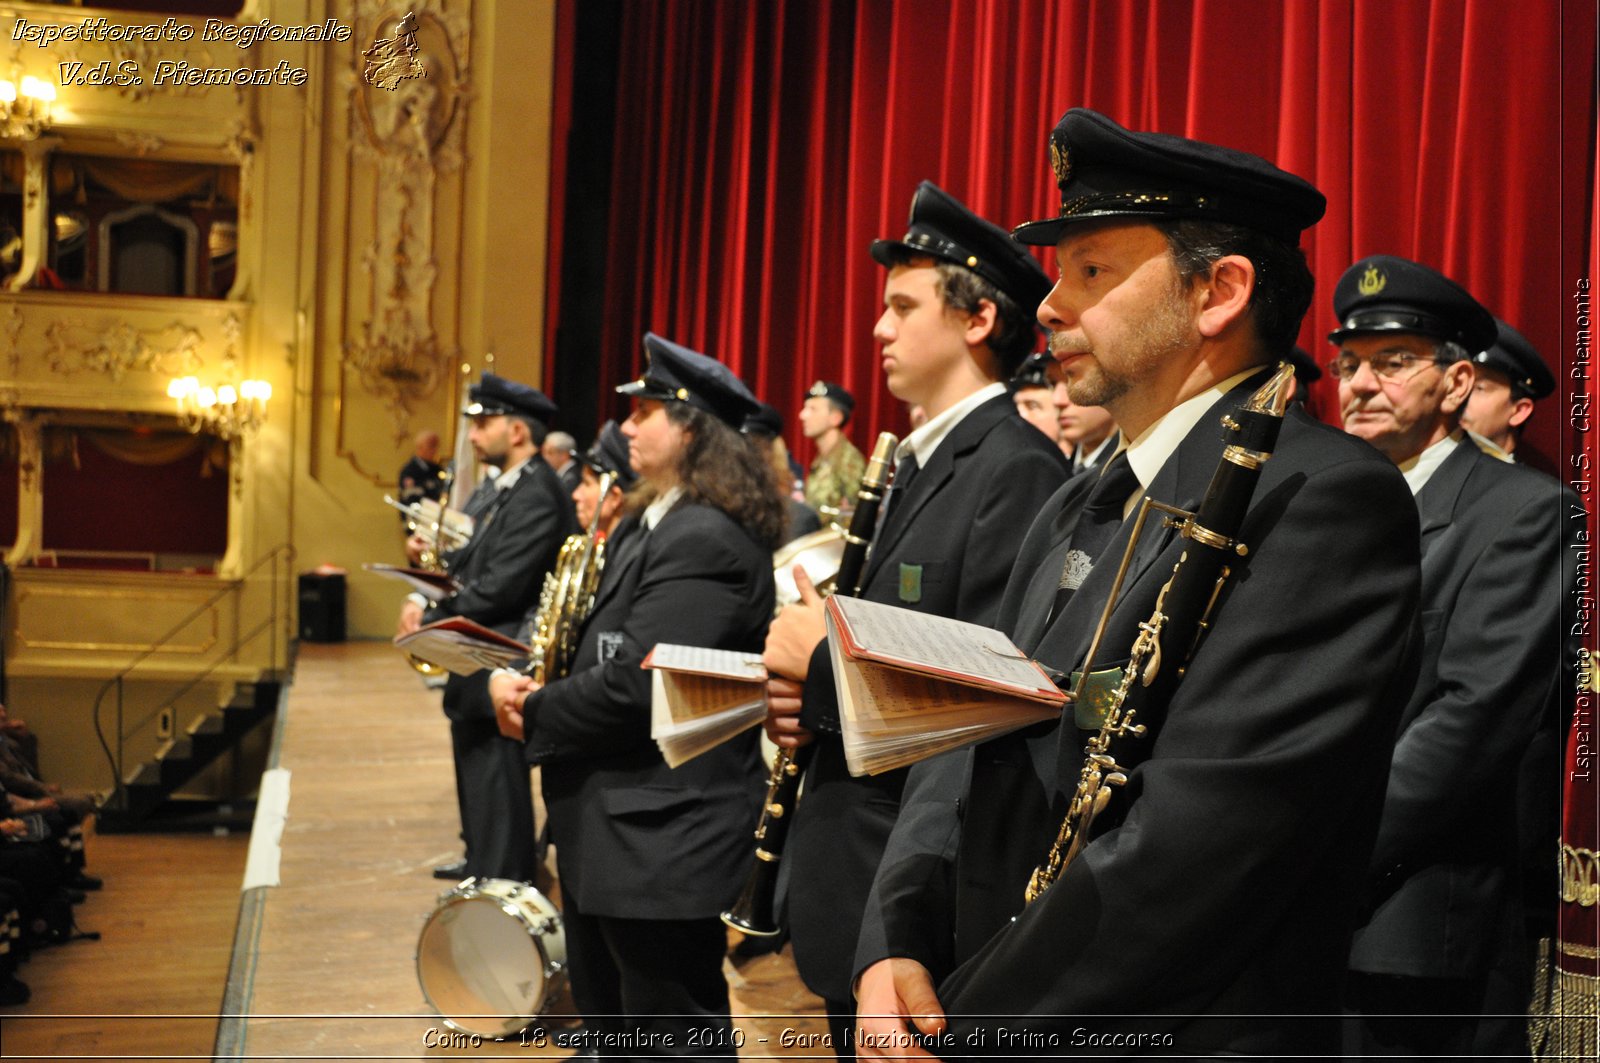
492, 956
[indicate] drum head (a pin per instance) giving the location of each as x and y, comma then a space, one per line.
481, 967
818, 553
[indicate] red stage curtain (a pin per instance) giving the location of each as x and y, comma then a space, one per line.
758, 148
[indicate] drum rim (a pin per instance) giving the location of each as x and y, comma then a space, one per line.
470, 890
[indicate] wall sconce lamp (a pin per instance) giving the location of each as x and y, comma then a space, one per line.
225, 411
25, 114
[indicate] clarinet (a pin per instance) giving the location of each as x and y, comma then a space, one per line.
753, 913
1168, 639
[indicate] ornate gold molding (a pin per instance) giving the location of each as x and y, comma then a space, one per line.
169, 350
410, 136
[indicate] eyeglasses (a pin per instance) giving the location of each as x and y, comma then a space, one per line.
1391, 365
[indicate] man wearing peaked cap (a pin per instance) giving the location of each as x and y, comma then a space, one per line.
526, 516
836, 472
1179, 285
958, 298
1031, 388
1438, 961
1511, 377
609, 454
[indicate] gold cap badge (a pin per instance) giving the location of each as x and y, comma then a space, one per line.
1060, 162
1372, 281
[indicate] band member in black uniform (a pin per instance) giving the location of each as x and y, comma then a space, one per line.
422, 476
516, 539
608, 454
1512, 376
1211, 908
648, 856
1440, 966
966, 486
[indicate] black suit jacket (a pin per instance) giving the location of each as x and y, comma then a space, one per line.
1223, 880
945, 548
634, 838
1445, 872
517, 536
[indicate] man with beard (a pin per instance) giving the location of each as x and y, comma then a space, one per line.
517, 537
966, 485
1210, 909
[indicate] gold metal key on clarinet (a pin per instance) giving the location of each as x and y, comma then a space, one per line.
1182, 613
753, 913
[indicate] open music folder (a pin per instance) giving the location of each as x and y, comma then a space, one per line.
702, 697
462, 646
911, 684
434, 586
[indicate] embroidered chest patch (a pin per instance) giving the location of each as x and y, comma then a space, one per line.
1075, 570
608, 644
911, 583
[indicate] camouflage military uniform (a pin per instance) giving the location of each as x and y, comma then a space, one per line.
835, 477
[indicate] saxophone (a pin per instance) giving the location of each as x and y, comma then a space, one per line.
753, 912
1167, 640
566, 597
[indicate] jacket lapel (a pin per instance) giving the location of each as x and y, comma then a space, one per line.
1180, 482
962, 440
1040, 595
623, 550
1436, 502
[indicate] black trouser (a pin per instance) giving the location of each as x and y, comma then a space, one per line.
650, 988
496, 801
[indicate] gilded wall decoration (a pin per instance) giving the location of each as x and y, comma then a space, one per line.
171, 350
410, 136
11, 330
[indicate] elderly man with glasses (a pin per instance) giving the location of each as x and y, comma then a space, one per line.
1439, 965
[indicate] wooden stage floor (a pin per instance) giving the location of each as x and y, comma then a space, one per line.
371, 810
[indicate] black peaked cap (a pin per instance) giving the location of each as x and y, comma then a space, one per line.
1383, 293
677, 374
942, 227
1105, 171
496, 395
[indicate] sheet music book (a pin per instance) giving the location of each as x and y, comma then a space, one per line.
433, 586
456, 523
911, 684
462, 646
700, 698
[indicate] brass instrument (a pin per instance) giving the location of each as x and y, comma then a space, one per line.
449, 528
753, 912
1167, 640
567, 596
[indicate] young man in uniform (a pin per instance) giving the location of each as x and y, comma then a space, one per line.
967, 483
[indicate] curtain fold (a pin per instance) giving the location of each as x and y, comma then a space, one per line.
758, 149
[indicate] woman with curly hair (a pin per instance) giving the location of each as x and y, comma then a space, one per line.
649, 855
